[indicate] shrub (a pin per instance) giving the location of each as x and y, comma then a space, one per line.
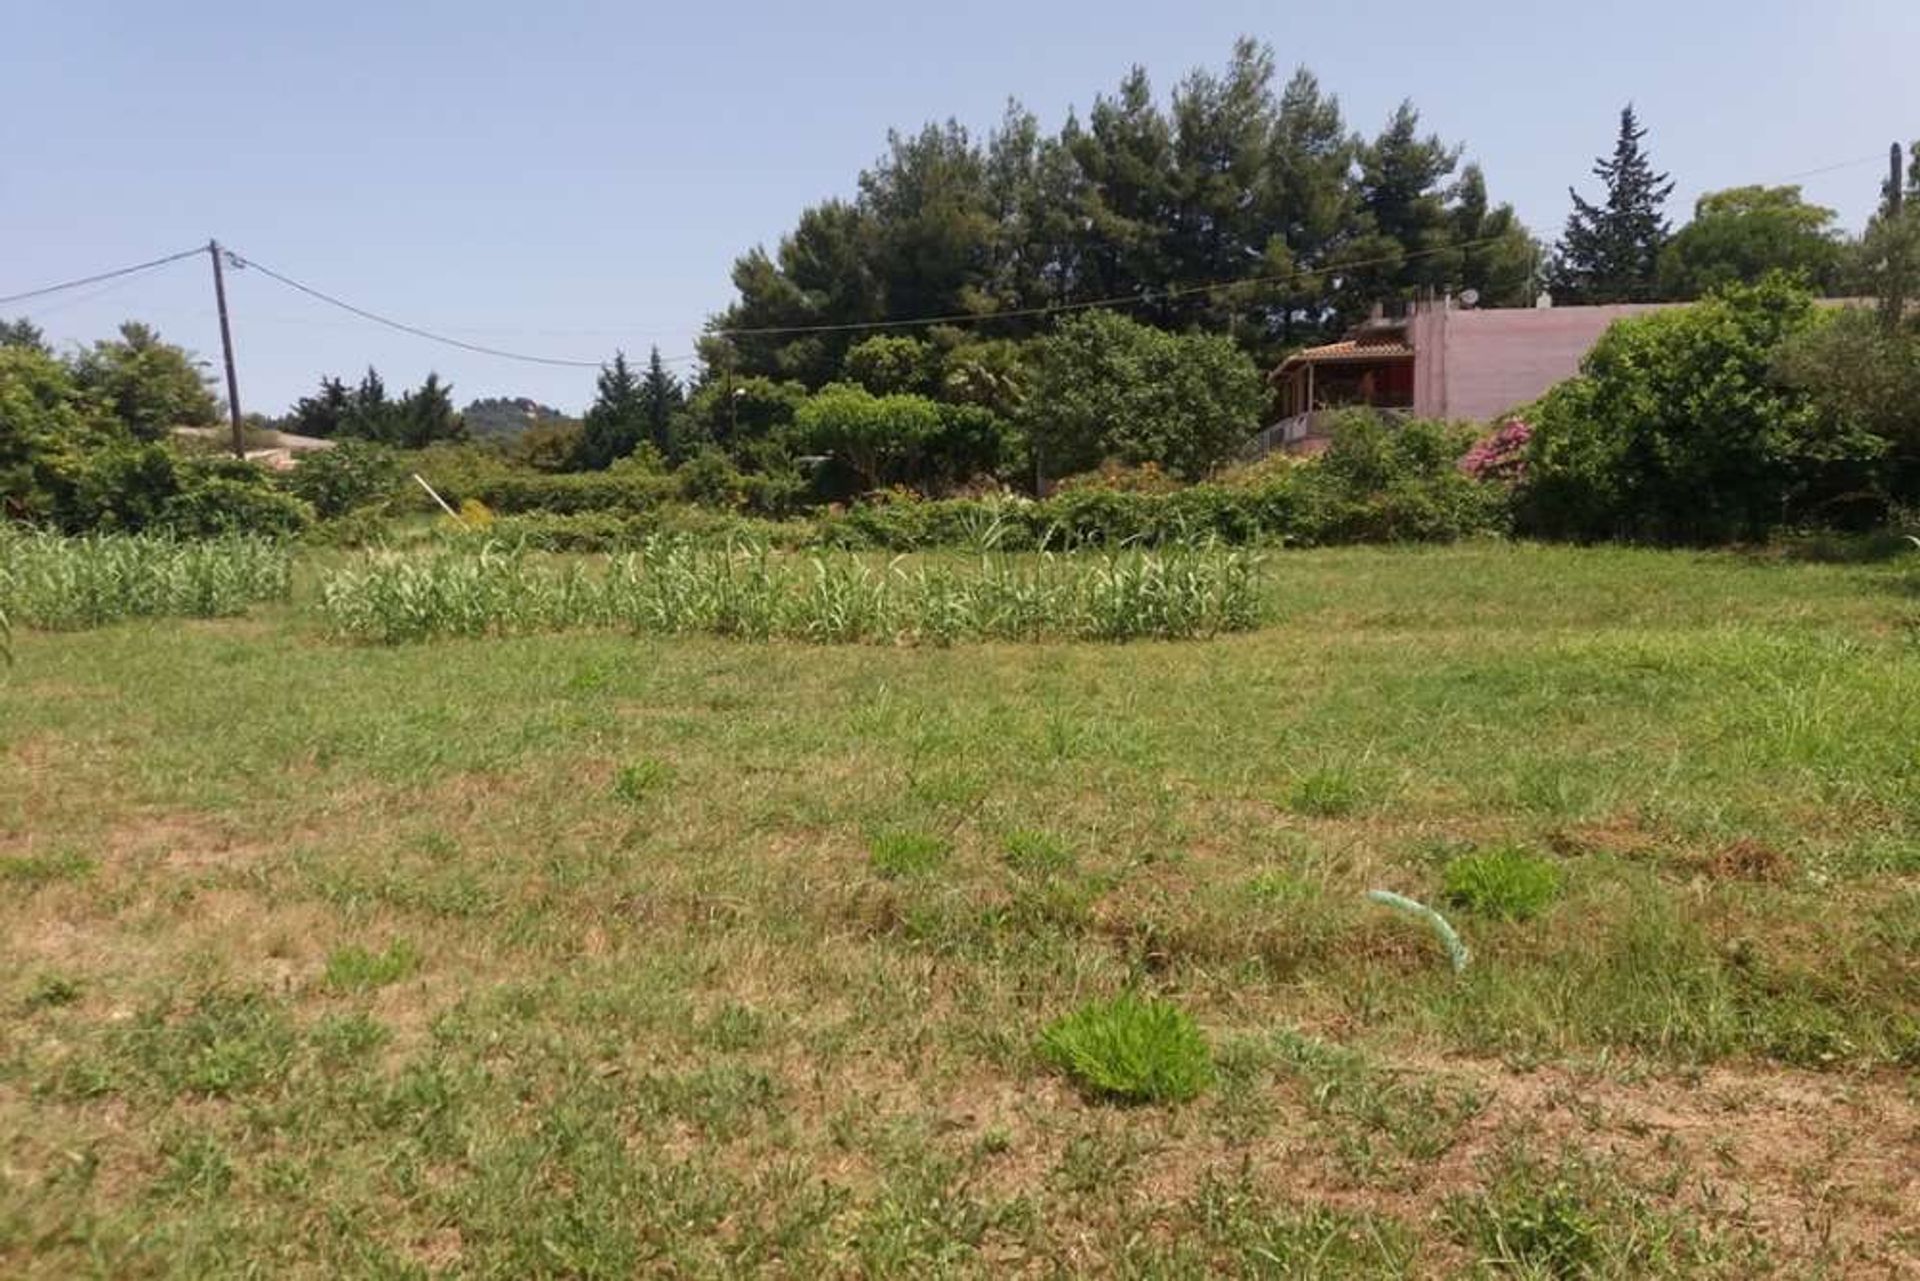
352, 474
221, 505
1501, 455
1678, 428
1110, 387
631, 491
1131, 1050
1509, 883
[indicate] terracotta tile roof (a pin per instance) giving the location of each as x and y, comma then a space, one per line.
1348, 350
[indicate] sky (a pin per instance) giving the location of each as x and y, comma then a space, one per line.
570, 177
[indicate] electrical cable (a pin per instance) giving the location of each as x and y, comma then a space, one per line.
105, 275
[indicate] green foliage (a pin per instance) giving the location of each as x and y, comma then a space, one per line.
1505, 882
426, 414
617, 421
132, 488
730, 411
1863, 382
1240, 207
23, 334
1679, 429
352, 474
148, 386
324, 415
887, 365
42, 413
1740, 235
883, 439
1110, 387
1131, 1050
1611, 252
419, 418
221, 504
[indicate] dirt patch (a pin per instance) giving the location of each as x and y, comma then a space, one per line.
1749, 860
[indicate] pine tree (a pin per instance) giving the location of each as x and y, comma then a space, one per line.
370, 415
661, 398
1611, 252
325, 415
616, 422
426, 414
24, 333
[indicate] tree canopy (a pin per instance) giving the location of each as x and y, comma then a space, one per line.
1239, 205
1610, 252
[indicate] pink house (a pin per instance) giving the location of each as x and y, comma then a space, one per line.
1439, 361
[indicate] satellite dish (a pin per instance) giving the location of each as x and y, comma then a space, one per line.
1469, 297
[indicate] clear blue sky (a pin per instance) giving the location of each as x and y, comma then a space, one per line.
568, 176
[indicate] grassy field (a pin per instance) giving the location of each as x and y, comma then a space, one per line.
594, 955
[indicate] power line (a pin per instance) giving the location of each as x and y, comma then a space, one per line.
105, 275
415, 330
1143, 297
1843, 164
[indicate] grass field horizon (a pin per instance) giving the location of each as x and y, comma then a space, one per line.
593, 954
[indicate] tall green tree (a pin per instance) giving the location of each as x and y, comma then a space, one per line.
1125, 154
148, 385
663, 399
325, 414
1610, 252
426, 415
1498, 256
23, 333
1308, 204
1403, 217
617, 421
370, 413
1216, 221
1739, 235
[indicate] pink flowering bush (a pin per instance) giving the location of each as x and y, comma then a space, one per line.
1500, 457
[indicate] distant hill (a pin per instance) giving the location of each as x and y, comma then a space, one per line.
505, 418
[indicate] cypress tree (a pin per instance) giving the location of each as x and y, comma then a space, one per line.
662, 398
1610, 252
617, 420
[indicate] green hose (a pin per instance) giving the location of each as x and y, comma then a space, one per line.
1456, 950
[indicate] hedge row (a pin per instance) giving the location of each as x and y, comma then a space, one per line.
1304, 508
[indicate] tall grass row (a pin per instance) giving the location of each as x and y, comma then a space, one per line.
676, 586
56, 583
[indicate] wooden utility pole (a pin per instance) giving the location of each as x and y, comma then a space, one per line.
226, 348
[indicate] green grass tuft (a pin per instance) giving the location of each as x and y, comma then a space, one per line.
640, 780
1037, 853
1325, 793
355, 969
903, 852
1131, 1050
1509, 883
